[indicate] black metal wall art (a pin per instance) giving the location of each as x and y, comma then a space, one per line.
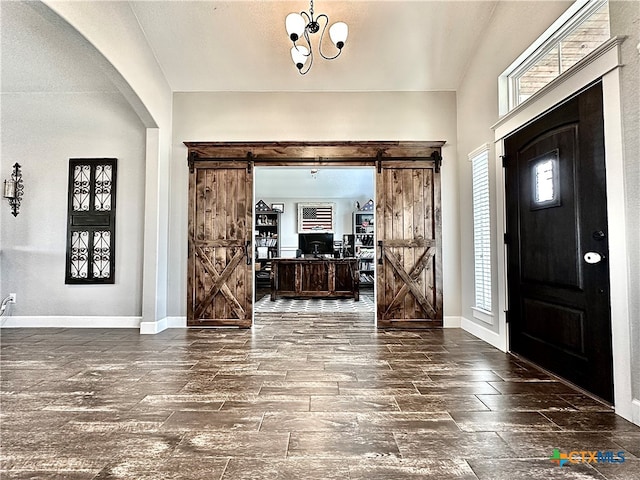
91, 221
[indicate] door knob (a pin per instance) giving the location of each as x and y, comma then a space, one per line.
593, 257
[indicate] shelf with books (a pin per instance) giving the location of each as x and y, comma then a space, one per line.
364, 239
266, 242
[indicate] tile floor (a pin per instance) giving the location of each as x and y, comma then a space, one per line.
299, 396
365, 305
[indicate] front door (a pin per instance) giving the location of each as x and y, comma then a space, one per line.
220, 286
558, 275
409, 270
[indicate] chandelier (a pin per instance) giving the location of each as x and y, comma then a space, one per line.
300, 25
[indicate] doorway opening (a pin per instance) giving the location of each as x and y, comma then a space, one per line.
315, 214
408, 233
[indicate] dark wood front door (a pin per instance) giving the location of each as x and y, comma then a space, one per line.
558, 275
409, 270
220, 286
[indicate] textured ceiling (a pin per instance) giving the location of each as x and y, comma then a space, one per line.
38, 56
243, 46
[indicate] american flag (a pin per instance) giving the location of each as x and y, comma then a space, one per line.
317, 218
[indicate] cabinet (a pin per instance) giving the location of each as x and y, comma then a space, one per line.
363, 232
267, 243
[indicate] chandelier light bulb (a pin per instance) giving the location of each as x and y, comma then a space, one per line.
338, 33
295, 25
300, 29
300, 55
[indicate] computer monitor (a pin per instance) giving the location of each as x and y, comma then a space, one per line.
316, 243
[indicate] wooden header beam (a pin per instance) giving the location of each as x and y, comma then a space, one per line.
272, 152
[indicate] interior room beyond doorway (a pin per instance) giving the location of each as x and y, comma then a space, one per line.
314, 212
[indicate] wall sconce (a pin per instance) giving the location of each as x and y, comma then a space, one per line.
13, 189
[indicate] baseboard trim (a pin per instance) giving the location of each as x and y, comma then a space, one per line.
151, 328
62, 321
176, 322
635, 411
69, 322
451, 322
489, 336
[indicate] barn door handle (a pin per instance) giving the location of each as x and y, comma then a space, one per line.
380, 247
246, 251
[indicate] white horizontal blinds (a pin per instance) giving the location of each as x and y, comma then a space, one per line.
481, 227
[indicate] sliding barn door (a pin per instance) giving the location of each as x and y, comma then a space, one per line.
220, 287
409, 271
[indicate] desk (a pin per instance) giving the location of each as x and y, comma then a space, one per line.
315, 277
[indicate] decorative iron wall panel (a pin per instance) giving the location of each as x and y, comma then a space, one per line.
91, 221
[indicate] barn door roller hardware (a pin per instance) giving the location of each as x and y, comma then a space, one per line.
437, 158
249, 162
193, 156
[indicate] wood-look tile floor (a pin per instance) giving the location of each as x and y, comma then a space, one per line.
299, 396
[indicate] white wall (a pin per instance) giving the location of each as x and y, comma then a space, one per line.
503, 42
320, 117
58, 104
341, 186
289, 219
625, 20
127, 60
41, 132
113, 29
476, 115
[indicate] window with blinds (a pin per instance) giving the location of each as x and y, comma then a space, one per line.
481, 227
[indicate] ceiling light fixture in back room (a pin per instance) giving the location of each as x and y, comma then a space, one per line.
301, 25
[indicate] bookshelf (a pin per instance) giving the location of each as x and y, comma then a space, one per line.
363, 232
266, 243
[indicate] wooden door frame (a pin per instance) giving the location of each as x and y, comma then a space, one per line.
314, 153
287, 154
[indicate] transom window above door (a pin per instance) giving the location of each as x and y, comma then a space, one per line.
577, 33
